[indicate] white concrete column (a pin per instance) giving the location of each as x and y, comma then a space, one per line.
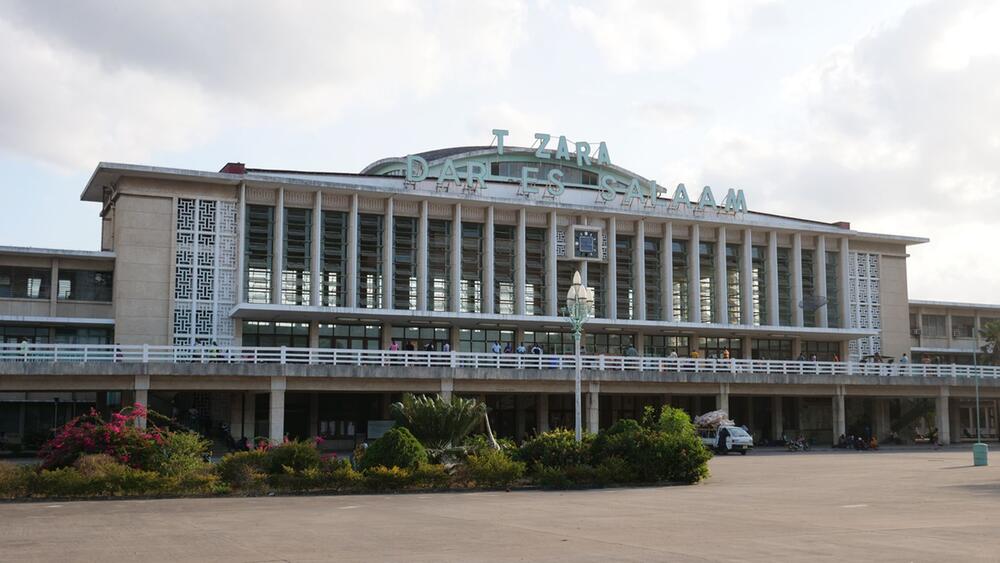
948, 328
314, 334
746, 280
352, 254
422, 257
611, 291
489, 246
667, 273
773, 307
542, 414
819, 261
447, 386
593, 408
388, 253
552, 267
456, 257
141, 387
777, 418
694, 275
315, 252
54, 287
241, 230
278, 263
722, 399
796, 270
276, 417
520, 305
845, 284
721, 279
639, 271
942, 415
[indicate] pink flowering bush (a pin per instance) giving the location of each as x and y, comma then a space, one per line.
120, 438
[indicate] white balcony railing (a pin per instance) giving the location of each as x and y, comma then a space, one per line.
115, 353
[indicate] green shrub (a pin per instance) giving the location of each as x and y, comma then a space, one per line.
494, 469
556, 448
103, 479
381, 478
614, 470
243, 470
62, 482
298, 456
549, 477
674, 421
396, 448
651, 454
344, 477
14, 480
432, 476
477, 443
202, 480
181, 453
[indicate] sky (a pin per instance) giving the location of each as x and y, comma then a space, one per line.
884, 114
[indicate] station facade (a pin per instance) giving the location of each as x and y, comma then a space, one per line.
463, 249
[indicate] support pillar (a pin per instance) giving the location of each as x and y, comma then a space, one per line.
456, 258
551, 267
881, 426
447, 386
721, 304
519, 418
639, 271
315, 256
593, 408
844, 299
746, 283
722, 399
352, 254
249, 406
542, 407
943, 418
798, 319
520, 260
611, 283
773, 308
278, 250
819, 266
276, 416
839, 414
388, 248
777, 418
313, 414
489, 243
422, 257
141, 397
667, 273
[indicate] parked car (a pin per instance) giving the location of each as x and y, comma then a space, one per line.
737, 441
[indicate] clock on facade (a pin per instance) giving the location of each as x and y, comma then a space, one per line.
585, 243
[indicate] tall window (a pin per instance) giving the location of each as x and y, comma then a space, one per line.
534, 270
438, 264
476, 340
771, 349
784, 286
596, 276
652, 258
370, 261
623, 277
564, 279
808, 287
824, 351
934, 326
84, 285
734, 291
295, 275
404, 258
549, 342
503, 269
334, 254
420, 337
706, 253
758, 269
715, 347
259, 253
608, 343
833, 289
682, 307
471, 291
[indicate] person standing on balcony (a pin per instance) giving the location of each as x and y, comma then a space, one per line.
394, 347
446, 347
496, 347
725, 354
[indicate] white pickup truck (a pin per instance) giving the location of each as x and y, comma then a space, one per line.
737, 441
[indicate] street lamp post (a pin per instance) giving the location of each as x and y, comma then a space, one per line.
579, 305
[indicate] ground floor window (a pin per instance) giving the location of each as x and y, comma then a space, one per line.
84, 336
350, 336
824, 351
549, 342
716, 347
418, 338
29, 334
267, 334
771, 349
562, 411
476, 340
609, 344
662, 345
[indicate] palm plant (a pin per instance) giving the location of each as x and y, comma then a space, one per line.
441, 423
990, 334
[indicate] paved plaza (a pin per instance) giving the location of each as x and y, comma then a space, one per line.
914, 505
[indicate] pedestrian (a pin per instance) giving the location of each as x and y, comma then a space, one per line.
673, 354
496, 349
446, 347
394, 347
521, 349
508, 349
725, 353
536, 349
903, 359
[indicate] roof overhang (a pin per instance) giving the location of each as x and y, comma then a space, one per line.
56, 253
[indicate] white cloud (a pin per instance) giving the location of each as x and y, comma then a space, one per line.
634, 35
123, 80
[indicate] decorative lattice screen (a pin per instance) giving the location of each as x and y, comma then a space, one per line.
205, 272
865, 303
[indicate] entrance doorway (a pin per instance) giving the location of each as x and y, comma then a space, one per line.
987, 420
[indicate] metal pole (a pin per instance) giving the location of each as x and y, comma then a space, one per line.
975, 365
579, 385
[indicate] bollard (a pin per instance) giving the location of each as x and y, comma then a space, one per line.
980, 453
